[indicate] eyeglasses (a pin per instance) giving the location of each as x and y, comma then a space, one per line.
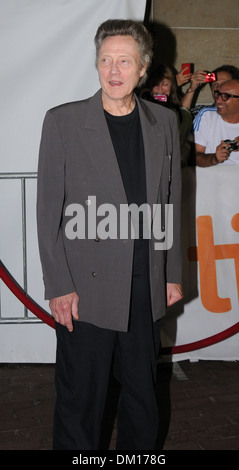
224, 96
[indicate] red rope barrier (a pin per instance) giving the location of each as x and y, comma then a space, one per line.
49, 320
203, 343
25, 299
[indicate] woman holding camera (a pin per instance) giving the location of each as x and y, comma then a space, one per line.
162, 89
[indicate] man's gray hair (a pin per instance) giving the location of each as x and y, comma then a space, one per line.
132, 28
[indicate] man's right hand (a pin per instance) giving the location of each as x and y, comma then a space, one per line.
222, 152
64, 308
208, 159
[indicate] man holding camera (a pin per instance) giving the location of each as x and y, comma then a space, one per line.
216, 130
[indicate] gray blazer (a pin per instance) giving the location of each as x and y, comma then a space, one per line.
77, 161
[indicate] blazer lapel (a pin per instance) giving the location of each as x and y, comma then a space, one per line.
101, 150
154, 148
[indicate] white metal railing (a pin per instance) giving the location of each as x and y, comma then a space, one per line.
22, 177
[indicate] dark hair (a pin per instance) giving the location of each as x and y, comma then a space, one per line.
158, 74
127, 28
231, 69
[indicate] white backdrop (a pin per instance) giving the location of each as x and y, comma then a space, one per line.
47, 58
210, 197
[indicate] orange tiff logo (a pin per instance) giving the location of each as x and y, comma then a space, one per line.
206, 253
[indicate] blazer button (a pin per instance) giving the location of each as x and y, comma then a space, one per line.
94, 274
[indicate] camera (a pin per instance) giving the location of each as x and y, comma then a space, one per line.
231, 145
210, 77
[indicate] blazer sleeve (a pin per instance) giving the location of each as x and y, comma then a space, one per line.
50, 199
174, 254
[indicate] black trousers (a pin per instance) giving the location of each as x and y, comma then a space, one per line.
84, 361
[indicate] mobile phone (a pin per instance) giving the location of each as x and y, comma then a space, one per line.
160, 97
187, 68
210, 77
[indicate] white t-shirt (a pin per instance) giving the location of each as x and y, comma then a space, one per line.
210, 130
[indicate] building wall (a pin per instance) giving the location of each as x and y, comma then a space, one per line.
202, 32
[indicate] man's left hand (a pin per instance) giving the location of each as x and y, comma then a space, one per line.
174, 293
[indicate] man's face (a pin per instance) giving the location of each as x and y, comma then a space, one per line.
119, 67
229, 110
222, 77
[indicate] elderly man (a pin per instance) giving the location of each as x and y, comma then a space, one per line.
216, 131
107, 294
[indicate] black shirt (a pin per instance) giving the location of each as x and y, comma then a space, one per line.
126, 135
127, 139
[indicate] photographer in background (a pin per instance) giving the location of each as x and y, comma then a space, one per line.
161, 88
216, 125
198, 80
